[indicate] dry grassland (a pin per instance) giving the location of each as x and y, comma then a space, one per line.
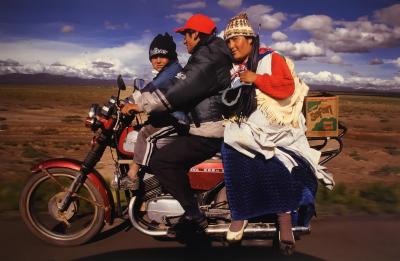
39, 122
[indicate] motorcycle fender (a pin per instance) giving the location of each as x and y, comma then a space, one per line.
94, 177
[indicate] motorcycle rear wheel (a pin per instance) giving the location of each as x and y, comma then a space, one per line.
82, 220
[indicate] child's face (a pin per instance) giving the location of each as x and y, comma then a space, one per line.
159, 62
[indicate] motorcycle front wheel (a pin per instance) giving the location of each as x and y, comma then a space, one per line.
39, 201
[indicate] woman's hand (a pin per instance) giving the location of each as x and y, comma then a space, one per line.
129, 107
248, 77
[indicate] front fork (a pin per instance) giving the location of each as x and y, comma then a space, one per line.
93, 156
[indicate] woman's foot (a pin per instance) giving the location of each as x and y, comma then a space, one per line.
286, 238
235, 231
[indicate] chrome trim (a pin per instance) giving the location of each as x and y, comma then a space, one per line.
159, 233
262, 230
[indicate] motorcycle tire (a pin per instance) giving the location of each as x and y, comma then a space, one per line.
44, 219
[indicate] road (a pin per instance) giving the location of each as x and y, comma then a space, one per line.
332, 238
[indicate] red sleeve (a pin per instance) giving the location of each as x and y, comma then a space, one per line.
279, 84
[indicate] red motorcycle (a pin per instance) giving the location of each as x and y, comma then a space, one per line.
67, 202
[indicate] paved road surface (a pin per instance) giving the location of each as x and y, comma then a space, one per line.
332, 238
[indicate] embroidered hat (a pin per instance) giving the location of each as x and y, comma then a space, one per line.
239, 26
163, 45
198, 22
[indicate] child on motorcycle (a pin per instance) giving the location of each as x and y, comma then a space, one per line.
163, 58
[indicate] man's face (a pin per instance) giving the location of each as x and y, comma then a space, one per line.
159, 62
240, 47
191, 40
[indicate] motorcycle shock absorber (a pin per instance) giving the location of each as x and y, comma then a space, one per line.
93, 156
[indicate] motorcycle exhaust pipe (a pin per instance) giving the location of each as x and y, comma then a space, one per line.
256, 230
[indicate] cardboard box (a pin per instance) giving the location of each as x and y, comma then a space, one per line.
322, 115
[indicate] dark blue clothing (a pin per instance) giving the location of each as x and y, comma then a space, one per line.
161, 81
257, 186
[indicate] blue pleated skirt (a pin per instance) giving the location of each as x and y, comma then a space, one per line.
257, 186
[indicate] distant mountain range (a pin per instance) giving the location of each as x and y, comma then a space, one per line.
51, 79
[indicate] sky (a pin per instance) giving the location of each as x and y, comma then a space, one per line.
353, 43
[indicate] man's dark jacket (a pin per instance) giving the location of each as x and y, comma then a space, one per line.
196, 89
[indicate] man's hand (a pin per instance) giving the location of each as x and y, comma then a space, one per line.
248, 77
129, 108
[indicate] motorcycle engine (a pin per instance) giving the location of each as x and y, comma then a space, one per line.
161, 207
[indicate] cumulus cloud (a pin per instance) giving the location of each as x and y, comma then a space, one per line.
42, 56
260, 15
230, 4
102, 65
279, 36
389, 15
394, 61
357, 36
180, 18
111, 26
9, 62
335, 59
192, 5
375, 61
329, 78
313, 23
67, 29
298, 51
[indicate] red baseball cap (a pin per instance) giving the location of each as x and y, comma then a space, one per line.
198, 22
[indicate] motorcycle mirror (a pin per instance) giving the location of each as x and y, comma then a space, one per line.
138, 84
121, 83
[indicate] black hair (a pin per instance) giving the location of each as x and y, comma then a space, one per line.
204, 38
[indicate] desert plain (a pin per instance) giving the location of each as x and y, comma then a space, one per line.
41, 122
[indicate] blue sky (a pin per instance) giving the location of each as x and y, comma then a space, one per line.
348, 43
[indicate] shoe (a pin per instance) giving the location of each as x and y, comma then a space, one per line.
286, 248
126, 183
190, 224
236, 236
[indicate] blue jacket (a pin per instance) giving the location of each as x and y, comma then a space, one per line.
161, 82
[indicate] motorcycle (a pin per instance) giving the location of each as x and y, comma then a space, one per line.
67, 202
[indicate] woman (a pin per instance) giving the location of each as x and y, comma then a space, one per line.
267, 159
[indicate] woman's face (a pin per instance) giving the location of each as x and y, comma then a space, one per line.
240, 47
159, 62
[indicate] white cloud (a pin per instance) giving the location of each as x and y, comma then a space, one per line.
230, 4
389, 15
335, 59
42, 56
351, 36
329, 78
67, 29
180, 17
272, 22
313, 23
260, 15
192, 5
298, 51
394, 61
279, 36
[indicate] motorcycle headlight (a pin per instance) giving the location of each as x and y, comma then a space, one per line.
91, 120
93, 110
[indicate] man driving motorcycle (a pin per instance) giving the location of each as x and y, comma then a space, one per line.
196, 89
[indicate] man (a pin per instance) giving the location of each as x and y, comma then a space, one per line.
196, 89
